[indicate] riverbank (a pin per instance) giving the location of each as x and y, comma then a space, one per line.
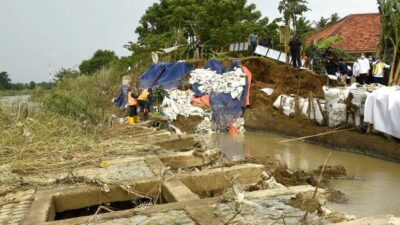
261, 116
151, 175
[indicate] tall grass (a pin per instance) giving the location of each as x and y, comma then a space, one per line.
60, 129
84, 97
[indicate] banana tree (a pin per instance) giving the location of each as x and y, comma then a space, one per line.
390, 37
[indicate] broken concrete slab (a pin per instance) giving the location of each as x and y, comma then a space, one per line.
282, 191
125, 170
14, 213
175, 191
217, 178
181, 160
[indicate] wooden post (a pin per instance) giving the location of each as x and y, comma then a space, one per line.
284, 39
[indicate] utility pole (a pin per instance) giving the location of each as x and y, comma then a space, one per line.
50, 78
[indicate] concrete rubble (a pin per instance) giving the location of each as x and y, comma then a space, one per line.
176, 183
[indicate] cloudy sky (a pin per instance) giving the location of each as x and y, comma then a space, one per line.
61, 33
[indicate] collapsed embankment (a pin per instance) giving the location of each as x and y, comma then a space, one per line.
284, 79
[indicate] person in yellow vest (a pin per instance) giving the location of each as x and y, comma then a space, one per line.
133, 104
378, 71
144, 101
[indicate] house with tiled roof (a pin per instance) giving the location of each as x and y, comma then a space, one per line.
359, 33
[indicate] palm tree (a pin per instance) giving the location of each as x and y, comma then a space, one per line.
291, 9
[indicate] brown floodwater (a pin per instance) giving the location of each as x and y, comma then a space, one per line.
377, 191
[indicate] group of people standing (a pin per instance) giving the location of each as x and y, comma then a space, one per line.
141, 100
370, 70
365, 70
295, 47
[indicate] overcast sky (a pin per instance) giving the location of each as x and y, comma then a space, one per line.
37, 33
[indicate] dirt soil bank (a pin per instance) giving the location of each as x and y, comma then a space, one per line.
261, 116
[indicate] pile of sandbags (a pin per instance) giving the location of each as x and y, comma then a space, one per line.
209, 81
292, 104
336, 99
335, 105
179, 103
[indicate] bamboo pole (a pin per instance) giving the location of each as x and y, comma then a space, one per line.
317, 135
303, 221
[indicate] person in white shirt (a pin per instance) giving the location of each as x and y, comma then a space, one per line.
378, 71
356, 71
364, 67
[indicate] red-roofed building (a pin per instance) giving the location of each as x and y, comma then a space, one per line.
359, 32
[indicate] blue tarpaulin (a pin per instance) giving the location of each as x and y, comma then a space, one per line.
168, 75
216, 66
172, 76
225, 109
151, 76
197, 92
121, 100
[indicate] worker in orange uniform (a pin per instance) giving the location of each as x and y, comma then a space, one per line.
144, 101
133, 104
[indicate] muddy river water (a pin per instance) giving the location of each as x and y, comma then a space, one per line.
377, 191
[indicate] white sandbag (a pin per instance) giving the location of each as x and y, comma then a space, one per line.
179, 103
286, 103
313, 112
335, 105
268, 91
290, 104
209, 81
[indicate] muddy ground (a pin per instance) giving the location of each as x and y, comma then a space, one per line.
261, 115
187, 125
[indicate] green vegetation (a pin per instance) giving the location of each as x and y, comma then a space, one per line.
5, 81
390, 37
291, 9
100, 59
7, 88
68, 121
216, 23
84, 97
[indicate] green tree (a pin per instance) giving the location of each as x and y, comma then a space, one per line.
45, 85
390, 37
66, 73
100, 59
177, 22
334, 18
291, 9
304, 27
322, 22
32, 85
18, 86
5, 81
